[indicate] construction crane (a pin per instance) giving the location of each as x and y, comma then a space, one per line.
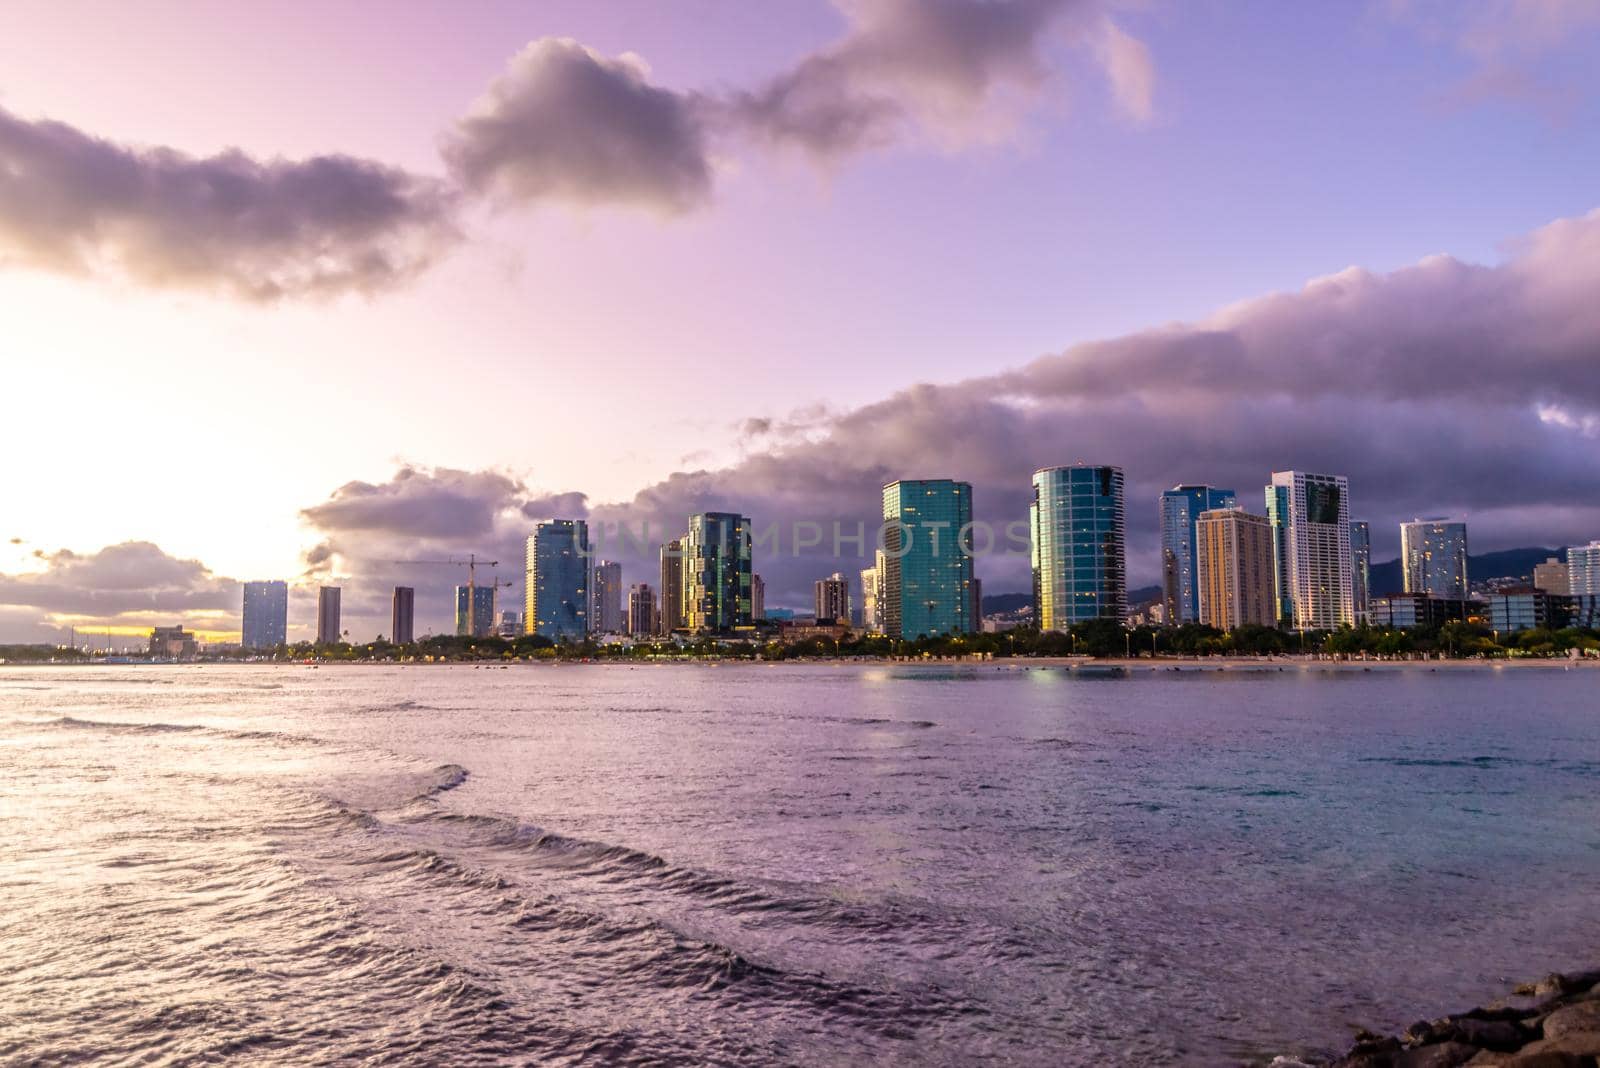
471, 563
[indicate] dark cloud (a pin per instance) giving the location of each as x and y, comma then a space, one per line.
77, 204
418, 503
955, 70
568, 124
133, 577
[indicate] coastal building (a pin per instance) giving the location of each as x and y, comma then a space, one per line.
557, 574
1583, 570
1361, 567
641, 610
1078, 546
872, 596
758, 598
1403, 611
1234, 569
927, 586
669, 606
1520, 608
403, 616
977, 604
1313, 570
265, 622
833, 598
605, 611
328, 615
1433, 557
510, 625
474, 611
1181, 508
716, 573
1551, 577
173, 643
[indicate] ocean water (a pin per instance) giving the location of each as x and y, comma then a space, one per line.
759, 864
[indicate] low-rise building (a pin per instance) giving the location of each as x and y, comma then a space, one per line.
1528, 608
173, 643
1403, 611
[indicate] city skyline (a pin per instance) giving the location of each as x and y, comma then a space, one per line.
1416, 330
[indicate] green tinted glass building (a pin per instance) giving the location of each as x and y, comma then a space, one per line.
716, 572
927, 579
1079, 545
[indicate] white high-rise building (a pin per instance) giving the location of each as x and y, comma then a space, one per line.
1583, 570
1433, 553
1315, 567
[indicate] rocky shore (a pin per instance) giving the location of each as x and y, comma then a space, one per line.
1554, 1023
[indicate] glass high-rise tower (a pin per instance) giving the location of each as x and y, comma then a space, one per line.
1079, 547
927, 580
478, 622
1361, 567
266, 615
1181, 507
717, 580
557, 575
1433, 556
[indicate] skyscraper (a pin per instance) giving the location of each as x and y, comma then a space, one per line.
1361, 566
669, 609
402, 624
478, 621
1583, 570
641, 610
328, 615
1433, 554
872, 596
833, 598
1234, 569
605, 604
266, 615
927, 588
758, 598
557, 576
1078, 545
1180, 510
1311, 519
716, 572
1278, 519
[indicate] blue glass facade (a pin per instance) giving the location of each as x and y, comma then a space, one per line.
557, 575
479, 623
1079, 545
927, 581
266, 615
716, 576
1180, 510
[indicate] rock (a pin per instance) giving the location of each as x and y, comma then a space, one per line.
1489, 1059
1556, 983
1574, 1047
1486, 1034
1437, 1055
1579, 1016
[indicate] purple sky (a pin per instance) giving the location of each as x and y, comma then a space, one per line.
303, 291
